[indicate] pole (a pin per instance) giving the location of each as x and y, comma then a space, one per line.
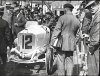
42, 11
49, 8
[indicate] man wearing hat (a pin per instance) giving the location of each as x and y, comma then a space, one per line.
94, 45
4, 39
65, 31
7, 14
50, 22
18, 22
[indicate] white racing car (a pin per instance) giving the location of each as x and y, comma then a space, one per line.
30, 44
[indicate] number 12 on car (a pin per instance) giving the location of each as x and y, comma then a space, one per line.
26, 41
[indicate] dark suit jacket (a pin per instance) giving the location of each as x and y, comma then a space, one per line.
65, 31
95, 31
21, 23
4, 36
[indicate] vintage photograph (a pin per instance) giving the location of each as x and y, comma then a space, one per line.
49, 37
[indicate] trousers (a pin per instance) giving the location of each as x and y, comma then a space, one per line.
65, 63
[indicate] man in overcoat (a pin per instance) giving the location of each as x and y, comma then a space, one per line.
65, 31
18, 22
94, 33
4, 39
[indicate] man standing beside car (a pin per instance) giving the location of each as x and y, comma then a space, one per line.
4, 39
94, 33
18, 22
65, 31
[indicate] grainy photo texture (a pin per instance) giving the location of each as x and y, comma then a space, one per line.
49, 37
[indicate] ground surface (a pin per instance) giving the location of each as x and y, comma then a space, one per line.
14, 69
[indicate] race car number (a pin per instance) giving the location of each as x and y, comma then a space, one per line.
26, 41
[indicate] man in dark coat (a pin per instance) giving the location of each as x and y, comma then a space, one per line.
8, 17
4, 39
18, 22
65, 31
94, 46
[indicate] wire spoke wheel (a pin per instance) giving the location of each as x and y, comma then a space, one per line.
49, 60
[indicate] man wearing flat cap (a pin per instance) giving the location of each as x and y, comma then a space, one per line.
4, 40
94, 45
65, 31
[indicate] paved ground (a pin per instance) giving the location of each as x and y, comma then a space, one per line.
14, 69
26, 69
37, 69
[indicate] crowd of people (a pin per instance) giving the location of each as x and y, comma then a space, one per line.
17, 16
64, 28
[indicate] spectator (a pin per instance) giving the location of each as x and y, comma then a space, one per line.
50, 22
8, 13
18, 23
94, 45
4, 40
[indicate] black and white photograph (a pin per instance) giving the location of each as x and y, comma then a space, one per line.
49, 37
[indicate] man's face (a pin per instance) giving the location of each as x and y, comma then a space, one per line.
94, 8
66, 9
48, 16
